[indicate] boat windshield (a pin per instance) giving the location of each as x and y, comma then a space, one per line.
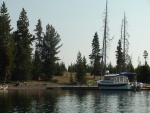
110, 77
116, 78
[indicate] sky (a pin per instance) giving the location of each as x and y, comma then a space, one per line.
76, 21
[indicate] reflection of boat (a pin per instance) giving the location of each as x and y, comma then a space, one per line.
3, 87
119, 82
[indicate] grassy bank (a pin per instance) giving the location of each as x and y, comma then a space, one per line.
58, 81
65, 79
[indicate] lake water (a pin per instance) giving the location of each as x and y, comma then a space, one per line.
64, 101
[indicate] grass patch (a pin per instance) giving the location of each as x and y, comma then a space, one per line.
59, 80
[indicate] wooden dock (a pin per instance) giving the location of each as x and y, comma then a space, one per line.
81, 88
74, 87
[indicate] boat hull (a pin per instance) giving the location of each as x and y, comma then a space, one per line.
119, 86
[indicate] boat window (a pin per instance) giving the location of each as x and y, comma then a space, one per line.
121, 79
107, 78
112, 78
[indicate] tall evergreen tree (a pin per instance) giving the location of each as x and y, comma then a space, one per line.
89, 68
145, 54
95, 56
39, 36
37, 61
72, 68
37, 65
130, 67
5, 43
119, 57
143, 73
50, 50
80, 76
111, 68
60, 68
84, 64
23, 40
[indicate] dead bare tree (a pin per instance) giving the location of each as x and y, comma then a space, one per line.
106, 40
125, 37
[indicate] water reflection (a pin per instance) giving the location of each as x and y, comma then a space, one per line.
63, 101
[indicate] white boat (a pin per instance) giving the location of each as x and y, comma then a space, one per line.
119, 82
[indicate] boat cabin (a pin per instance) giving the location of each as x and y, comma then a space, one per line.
116, 78
131, 76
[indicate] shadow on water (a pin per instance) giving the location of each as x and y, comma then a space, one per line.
73, 101
113, 101
35, 101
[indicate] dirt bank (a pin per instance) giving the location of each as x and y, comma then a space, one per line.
10, 87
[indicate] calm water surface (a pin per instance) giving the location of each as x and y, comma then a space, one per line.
64, 101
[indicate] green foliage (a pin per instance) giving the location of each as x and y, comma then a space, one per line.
89, 69
143, 73
45, 58
84, 64
130, 67
5, 43
80, 70
15, 49
38, 33
71, 79
37, 66
72, 68
37, 61
119, 57
95, 56
50, 49
145, 54
60, 68
23, 39
111, 68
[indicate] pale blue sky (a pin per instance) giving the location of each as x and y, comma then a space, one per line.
77, 21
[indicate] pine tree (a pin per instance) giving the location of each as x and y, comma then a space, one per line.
84, 64
71, 79
50, 50
72, 68
111, 68
119, 57
37, 66
143, 73
23, 40
89, 68
37, 61
80, 76
145, 55
39, 36
95, 56
60, 68
130, 67
5, 43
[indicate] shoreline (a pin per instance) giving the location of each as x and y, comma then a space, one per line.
13, 87
44, 87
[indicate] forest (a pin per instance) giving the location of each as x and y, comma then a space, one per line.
25, 56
